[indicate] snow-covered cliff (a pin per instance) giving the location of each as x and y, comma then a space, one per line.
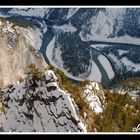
94, 94
39, 106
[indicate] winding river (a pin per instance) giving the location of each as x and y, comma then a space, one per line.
48, 36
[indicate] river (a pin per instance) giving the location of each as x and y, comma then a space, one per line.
47, 37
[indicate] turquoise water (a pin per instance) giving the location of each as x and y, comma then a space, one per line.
46, 40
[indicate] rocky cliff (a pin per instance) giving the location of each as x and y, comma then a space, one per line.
16, 52
39, 106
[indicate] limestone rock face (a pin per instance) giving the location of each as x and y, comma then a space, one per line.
94, 94
39, 106
16, 52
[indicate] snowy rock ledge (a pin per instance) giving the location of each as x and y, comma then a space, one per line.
95, 96
39, 106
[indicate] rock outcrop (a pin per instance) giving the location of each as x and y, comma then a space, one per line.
16, 52
94, 94
39, 106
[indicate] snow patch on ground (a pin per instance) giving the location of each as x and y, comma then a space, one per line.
35, 12
95, 85
125, 62
102, 25
49, 74
90, 93
71, 12
116, 13
107, 66
121, 52
130, 65
126, 39
95, 73
66, 28
98, 46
